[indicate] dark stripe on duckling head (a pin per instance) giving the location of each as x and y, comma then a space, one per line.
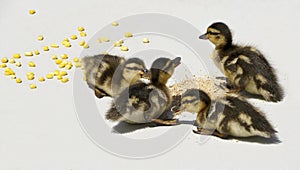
197, 94
161, 70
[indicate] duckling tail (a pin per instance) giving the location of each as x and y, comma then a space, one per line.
113, 114
272, 92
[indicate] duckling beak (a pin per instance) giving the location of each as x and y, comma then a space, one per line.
176, 61
203, 37
146, 74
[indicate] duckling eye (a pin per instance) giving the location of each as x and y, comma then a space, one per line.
213, 33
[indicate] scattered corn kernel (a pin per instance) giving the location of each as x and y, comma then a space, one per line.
64, 80
117, 44
115, 24
40, 38
12, 61
105, 39
104, 52
121, 41
145, 40
99, 40
36, 52
64, 56
28, 54
76, 59
32, 86
63, 64
86, 45
17, 56
46, 48
81, 29
67, 44
3, 65
41, 79
13, 76
78, 64
54, 45
18, 64
59, 77
82, 34
18, 80
58, 61
30, 73
9, 71
128, 34
54, 57
68, 66
124, 48
82, 43
32, 11
4, 60
31, 64
56, 73
73, 37
49, 76
63, 73
30, 77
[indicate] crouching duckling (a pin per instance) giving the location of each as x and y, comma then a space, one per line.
100, 70
228, 116
146, 102
245, 66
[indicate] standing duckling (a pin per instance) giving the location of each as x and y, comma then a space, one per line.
245, 66
100, 70
146, 102
228, 116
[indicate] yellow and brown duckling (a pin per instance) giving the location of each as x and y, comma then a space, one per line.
228, 116
101, 69
245, 66
146, 102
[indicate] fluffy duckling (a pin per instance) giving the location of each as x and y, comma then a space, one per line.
146, 102
228, 116
100, 70
245, 66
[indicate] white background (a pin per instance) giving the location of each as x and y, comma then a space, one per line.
39, 129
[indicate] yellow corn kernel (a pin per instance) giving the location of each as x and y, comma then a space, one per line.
124, 48
40, 38
80, 29
32, 86
64, 80
17, 56
32, 11
76, 59
78, 64
82, 34
86, 45
54, 45
121, 41
58, 61
18, 80
68, 66
99, 40
31, 64
105, 39
18, 64
4, 60
30, 73
46, 48
104, 52
9, 71
13, 76
64, 56
117, 44
82, 43
54, 57
67, 44
36, 52
59, 77
28, 53
63, 64
41, 79
66, 40
73, 37
128, 34
145, 40
30, 77
3, 65
56, 73
12, 61
115, 24
49, 76
63, 73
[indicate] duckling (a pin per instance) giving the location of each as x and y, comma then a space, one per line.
146, 102
227, 116
100, 70
245, 66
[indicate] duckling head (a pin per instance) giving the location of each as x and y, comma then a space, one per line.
219, 34
134, 69
162, 69
195, 101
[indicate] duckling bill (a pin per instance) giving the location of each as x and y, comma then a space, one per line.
146, 102
228, 116
245, 66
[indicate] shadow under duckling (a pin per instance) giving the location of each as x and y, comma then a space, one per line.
228, 116
147, 102
100, 70
245, 66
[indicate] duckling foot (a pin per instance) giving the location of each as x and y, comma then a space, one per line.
170, 122
202, 131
